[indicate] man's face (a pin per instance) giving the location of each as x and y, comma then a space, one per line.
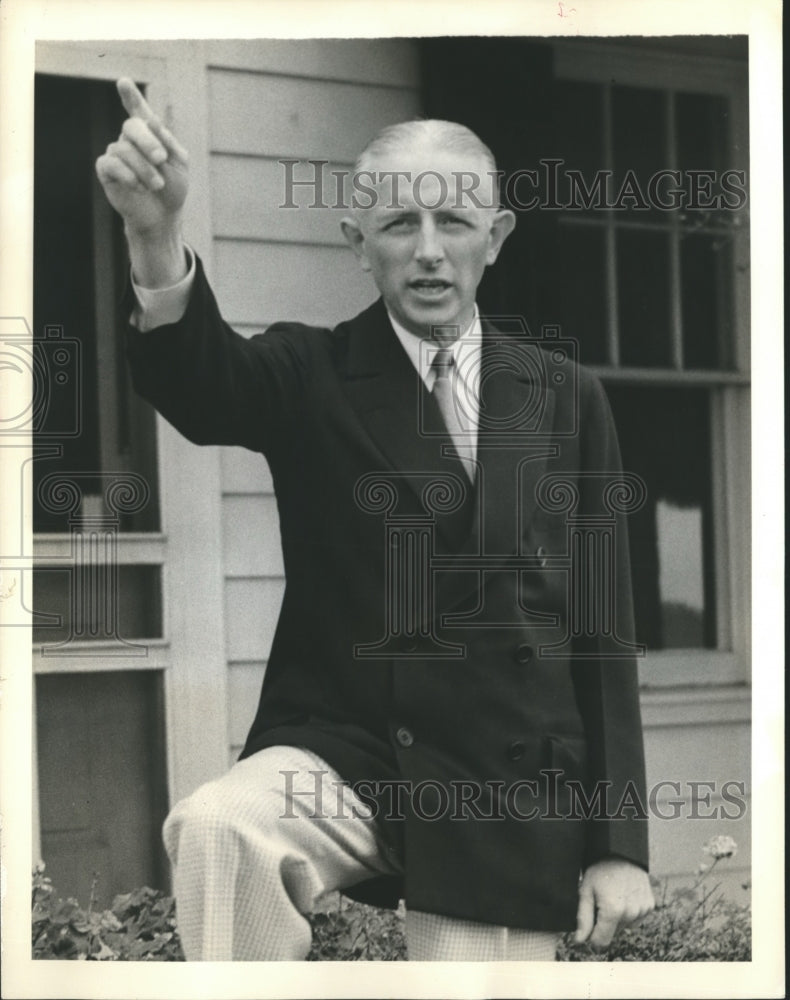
430, 234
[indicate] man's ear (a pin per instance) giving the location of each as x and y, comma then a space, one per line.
503, 225
356, 240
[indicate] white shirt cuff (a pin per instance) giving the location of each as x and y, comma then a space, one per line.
160, 306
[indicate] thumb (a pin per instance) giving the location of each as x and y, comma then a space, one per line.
585, 914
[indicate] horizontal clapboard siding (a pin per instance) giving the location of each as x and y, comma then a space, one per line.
272, 100
264, 115
253, 195
712, 755
244, 689
244, 472
251, 536
383, 62
251, 609
258, 283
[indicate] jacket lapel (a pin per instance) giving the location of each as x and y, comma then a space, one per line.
515, 425
514, 439
395, 409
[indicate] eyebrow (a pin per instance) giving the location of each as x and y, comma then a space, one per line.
395, 214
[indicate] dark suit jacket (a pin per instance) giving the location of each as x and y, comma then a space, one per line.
508, 715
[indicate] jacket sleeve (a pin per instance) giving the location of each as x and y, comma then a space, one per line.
212, 384
606, 683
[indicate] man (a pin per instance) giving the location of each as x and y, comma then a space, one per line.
435, 762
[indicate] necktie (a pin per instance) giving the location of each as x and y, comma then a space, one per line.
444, 366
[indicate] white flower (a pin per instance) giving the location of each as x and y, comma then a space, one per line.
721, 847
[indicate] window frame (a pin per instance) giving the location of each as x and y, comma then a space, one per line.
729, 390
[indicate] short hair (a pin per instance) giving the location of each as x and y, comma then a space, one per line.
436, 131
449, 135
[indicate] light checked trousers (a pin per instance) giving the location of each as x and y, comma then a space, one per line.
250, 861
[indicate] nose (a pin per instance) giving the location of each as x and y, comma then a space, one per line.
429, 251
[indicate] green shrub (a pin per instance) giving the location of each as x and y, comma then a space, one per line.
139, 926
352, 932
692, 924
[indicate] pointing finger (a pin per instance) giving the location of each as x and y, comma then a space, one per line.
133, 101
138, 108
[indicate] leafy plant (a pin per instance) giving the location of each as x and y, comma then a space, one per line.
695, 923
353, 932
139, 926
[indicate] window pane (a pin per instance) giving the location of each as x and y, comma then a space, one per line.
582, 296
102, 791
643, 298
680, 573
665, 438
639, 140
138, 603
702, 123
707, 301
579, 135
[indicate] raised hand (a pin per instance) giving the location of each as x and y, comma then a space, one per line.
144, 173
145, 177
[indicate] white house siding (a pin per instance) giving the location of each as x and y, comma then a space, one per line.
704, 736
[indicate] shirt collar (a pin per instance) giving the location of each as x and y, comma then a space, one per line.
421, 357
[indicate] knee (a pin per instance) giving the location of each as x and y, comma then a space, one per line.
218, 812
206, 813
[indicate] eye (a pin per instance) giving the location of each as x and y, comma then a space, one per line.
453, 222
401, 223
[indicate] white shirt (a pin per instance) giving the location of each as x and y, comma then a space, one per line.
465, 373
160, 306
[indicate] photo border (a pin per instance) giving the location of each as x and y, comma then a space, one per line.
22, 23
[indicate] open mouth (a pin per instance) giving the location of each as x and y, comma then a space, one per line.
429, 286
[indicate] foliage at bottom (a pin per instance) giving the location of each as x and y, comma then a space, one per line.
693, 924
139, 926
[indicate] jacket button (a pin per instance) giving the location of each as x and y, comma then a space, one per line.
516, 750
404, 737
540, 555
522, 653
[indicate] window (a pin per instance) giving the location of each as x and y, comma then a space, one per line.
652, 284
80, 271
98, 620
95, 435
655, 289
653, 237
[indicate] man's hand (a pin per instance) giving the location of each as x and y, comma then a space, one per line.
613, 893
144, 175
